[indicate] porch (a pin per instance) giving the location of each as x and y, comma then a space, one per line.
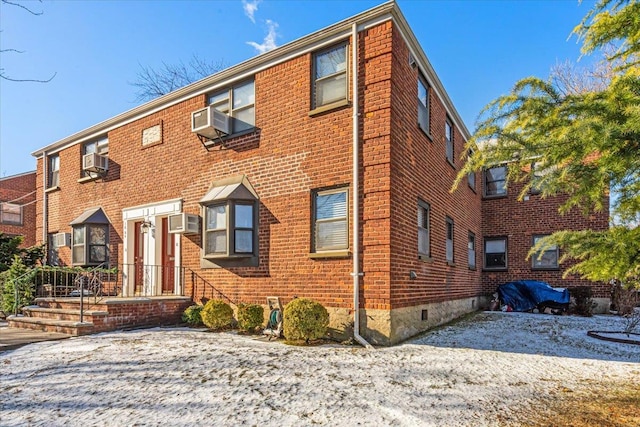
79, 301
83, 316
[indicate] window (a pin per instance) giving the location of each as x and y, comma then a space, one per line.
423, 105
495, 253
448, 135
330, 223
494, 181
424, 238
539, 170
10, 213
229, 229
100, 146
239, 103
52, 251
547, 258
330, 76
89, 244
472, 250
471, 177
53, 180
230, 211
90, 238
449, 241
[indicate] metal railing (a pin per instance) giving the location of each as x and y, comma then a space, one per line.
204, 288
115, 281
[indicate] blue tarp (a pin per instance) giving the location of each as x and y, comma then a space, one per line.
525, 295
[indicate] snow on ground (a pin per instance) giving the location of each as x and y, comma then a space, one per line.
460, 375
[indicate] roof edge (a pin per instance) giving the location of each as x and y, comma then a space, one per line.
197, 87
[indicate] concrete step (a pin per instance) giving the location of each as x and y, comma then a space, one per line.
68, 327
72, 304
62, 313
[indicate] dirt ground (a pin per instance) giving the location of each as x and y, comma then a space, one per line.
593, 404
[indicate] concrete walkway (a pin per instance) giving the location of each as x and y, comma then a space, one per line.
12, 338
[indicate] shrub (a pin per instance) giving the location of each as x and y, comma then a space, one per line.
191, 315
250, 317
217, 314
305, 319
18, 276
582, 301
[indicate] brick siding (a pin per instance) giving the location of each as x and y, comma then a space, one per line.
21, 190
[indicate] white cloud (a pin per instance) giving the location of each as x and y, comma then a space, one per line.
250, 8
269, 41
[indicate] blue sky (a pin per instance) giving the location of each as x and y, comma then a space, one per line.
478, 48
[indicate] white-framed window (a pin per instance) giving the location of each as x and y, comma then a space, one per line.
495, 179
238, 102
330, 220
546, 259
448, 136
230, 229
330, 76
10, 213
471, 249
90, 244
423, 104
424, 230
449, 239
53, 179
495, 253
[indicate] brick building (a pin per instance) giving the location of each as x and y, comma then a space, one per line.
320, 169
17, 206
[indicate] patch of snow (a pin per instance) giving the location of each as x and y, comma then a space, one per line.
464, 374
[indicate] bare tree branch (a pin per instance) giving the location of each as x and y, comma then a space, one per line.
571, 79
153, 83
22, 7
3, 75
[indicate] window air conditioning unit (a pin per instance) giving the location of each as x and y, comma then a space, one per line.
184, 223
61, 239
210, 123
95, 163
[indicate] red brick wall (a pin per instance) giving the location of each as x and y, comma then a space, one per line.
20, 189
420, 170
290, 154
520, 221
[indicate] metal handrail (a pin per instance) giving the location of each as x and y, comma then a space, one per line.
91, 273
195, 276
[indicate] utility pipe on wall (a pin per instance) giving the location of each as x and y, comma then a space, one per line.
356, 192
44, 206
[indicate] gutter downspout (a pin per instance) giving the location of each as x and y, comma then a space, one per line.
356, 194
44, 206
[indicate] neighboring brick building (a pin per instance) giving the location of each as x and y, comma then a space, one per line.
510, 228
17, 206
268, 203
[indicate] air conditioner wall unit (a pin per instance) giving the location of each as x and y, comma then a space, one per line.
60, 240
94, 162
184, 223
210, 123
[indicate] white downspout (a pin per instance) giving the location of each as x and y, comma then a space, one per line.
356, 199
44, 206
